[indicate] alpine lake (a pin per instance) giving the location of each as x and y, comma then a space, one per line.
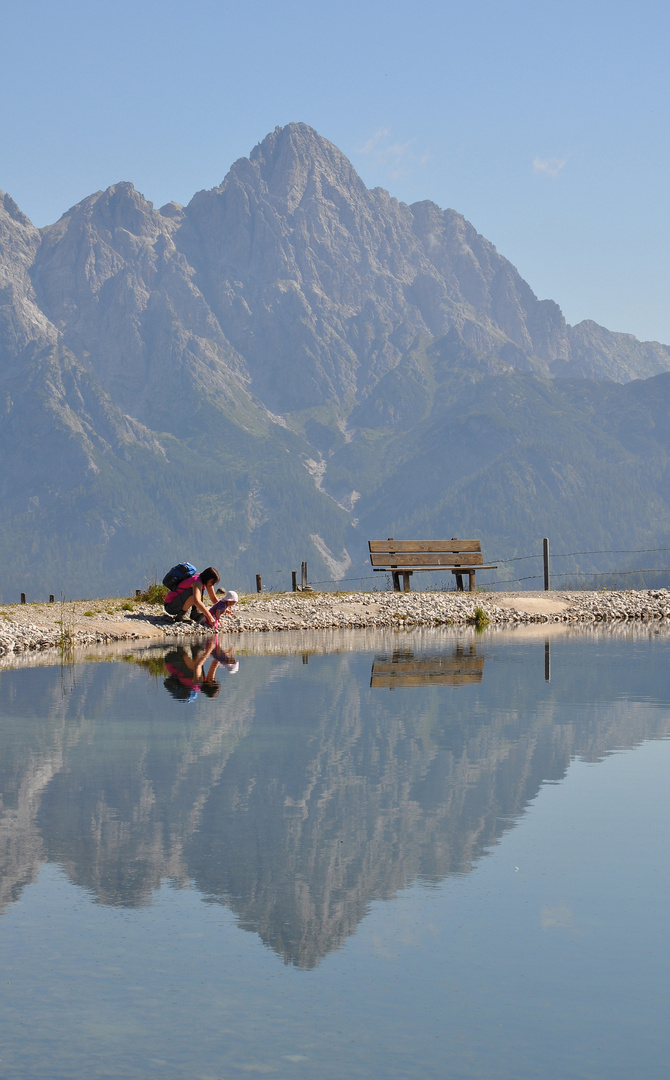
426, 854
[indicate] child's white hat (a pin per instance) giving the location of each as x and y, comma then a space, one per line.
231, 596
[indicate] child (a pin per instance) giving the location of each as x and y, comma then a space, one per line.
223, 607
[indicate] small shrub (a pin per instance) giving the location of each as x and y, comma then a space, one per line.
153, 594
89, 614
127, 606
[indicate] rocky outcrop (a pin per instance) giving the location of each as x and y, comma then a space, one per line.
23, 323
110, 278
597, 353
323, 285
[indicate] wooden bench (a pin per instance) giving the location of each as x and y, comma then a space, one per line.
404, 669
407, 556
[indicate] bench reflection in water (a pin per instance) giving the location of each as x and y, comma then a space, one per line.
402, 668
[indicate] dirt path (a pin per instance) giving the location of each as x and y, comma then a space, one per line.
532, 603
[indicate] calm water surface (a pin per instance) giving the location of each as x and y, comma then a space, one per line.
428, 856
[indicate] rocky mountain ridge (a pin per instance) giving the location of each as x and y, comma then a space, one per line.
292, 235
254, 352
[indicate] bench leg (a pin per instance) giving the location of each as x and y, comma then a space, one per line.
396, 580
472, 581
459, 581
405, 580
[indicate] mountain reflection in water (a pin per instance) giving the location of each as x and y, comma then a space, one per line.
298, 794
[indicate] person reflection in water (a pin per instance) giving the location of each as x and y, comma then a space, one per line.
226, 657
186, 675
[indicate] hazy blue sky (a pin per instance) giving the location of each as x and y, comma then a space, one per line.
546, 124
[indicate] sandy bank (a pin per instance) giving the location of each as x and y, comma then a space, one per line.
29, 627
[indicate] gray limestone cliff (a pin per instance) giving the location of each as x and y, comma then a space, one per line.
264, 348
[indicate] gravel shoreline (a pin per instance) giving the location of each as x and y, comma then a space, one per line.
35, 627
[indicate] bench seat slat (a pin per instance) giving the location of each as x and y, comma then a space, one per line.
381, 546
418, 569
389, 682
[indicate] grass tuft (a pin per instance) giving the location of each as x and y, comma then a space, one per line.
481, 618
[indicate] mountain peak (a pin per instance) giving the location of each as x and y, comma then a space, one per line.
295, 160
119, 205
297, 138
8, 204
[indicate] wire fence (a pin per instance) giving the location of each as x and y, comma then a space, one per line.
613, 573
503, 582
598, 551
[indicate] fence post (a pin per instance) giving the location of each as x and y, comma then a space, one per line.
294, 580
395, 574
23, 598
52, 599
259, 587
303, 575
545, 548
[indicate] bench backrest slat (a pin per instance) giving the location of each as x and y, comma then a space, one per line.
426, 559
453, 665
393, 546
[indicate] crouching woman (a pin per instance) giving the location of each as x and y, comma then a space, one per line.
188, 596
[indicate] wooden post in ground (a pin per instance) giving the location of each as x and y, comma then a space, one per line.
138, 592
294, 580
395, 574
23, 598
52, 598
459, 577
545, 550
303, 575
259, 587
